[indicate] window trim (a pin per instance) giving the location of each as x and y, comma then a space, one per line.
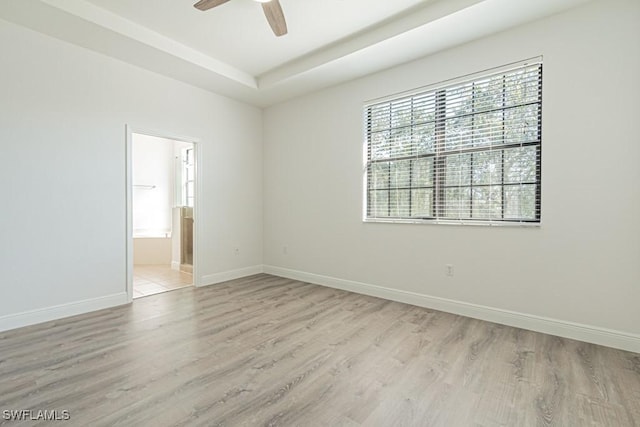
435, 87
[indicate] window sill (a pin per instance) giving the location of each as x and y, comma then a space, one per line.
454, 222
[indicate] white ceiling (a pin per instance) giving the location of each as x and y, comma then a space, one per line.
231, 49
237, 32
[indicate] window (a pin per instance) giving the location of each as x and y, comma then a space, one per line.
188, 177
465, 152
184, 192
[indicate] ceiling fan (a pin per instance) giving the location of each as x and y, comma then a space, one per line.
272, 10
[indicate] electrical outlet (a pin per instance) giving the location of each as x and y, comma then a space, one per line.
236, 250
449, 270
285, 249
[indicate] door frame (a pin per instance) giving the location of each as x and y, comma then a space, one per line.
197, 149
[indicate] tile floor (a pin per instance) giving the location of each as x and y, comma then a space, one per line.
154, 279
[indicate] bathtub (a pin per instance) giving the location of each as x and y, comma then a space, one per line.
152, 249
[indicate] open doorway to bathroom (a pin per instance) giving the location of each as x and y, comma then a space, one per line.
162, 188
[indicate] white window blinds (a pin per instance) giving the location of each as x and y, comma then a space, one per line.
469, 151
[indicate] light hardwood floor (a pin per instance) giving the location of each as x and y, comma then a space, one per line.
271, 351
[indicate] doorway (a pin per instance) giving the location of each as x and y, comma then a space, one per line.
161, 200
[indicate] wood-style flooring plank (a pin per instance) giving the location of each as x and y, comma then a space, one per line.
271, 351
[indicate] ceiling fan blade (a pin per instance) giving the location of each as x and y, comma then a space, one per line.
208, 4
273, 12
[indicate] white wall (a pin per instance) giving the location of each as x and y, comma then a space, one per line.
63, 111
582, 265
153, 178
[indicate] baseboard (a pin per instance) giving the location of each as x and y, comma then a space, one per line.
212, 279
576, 331
32, 317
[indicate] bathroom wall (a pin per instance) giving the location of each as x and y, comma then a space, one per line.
153, 185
